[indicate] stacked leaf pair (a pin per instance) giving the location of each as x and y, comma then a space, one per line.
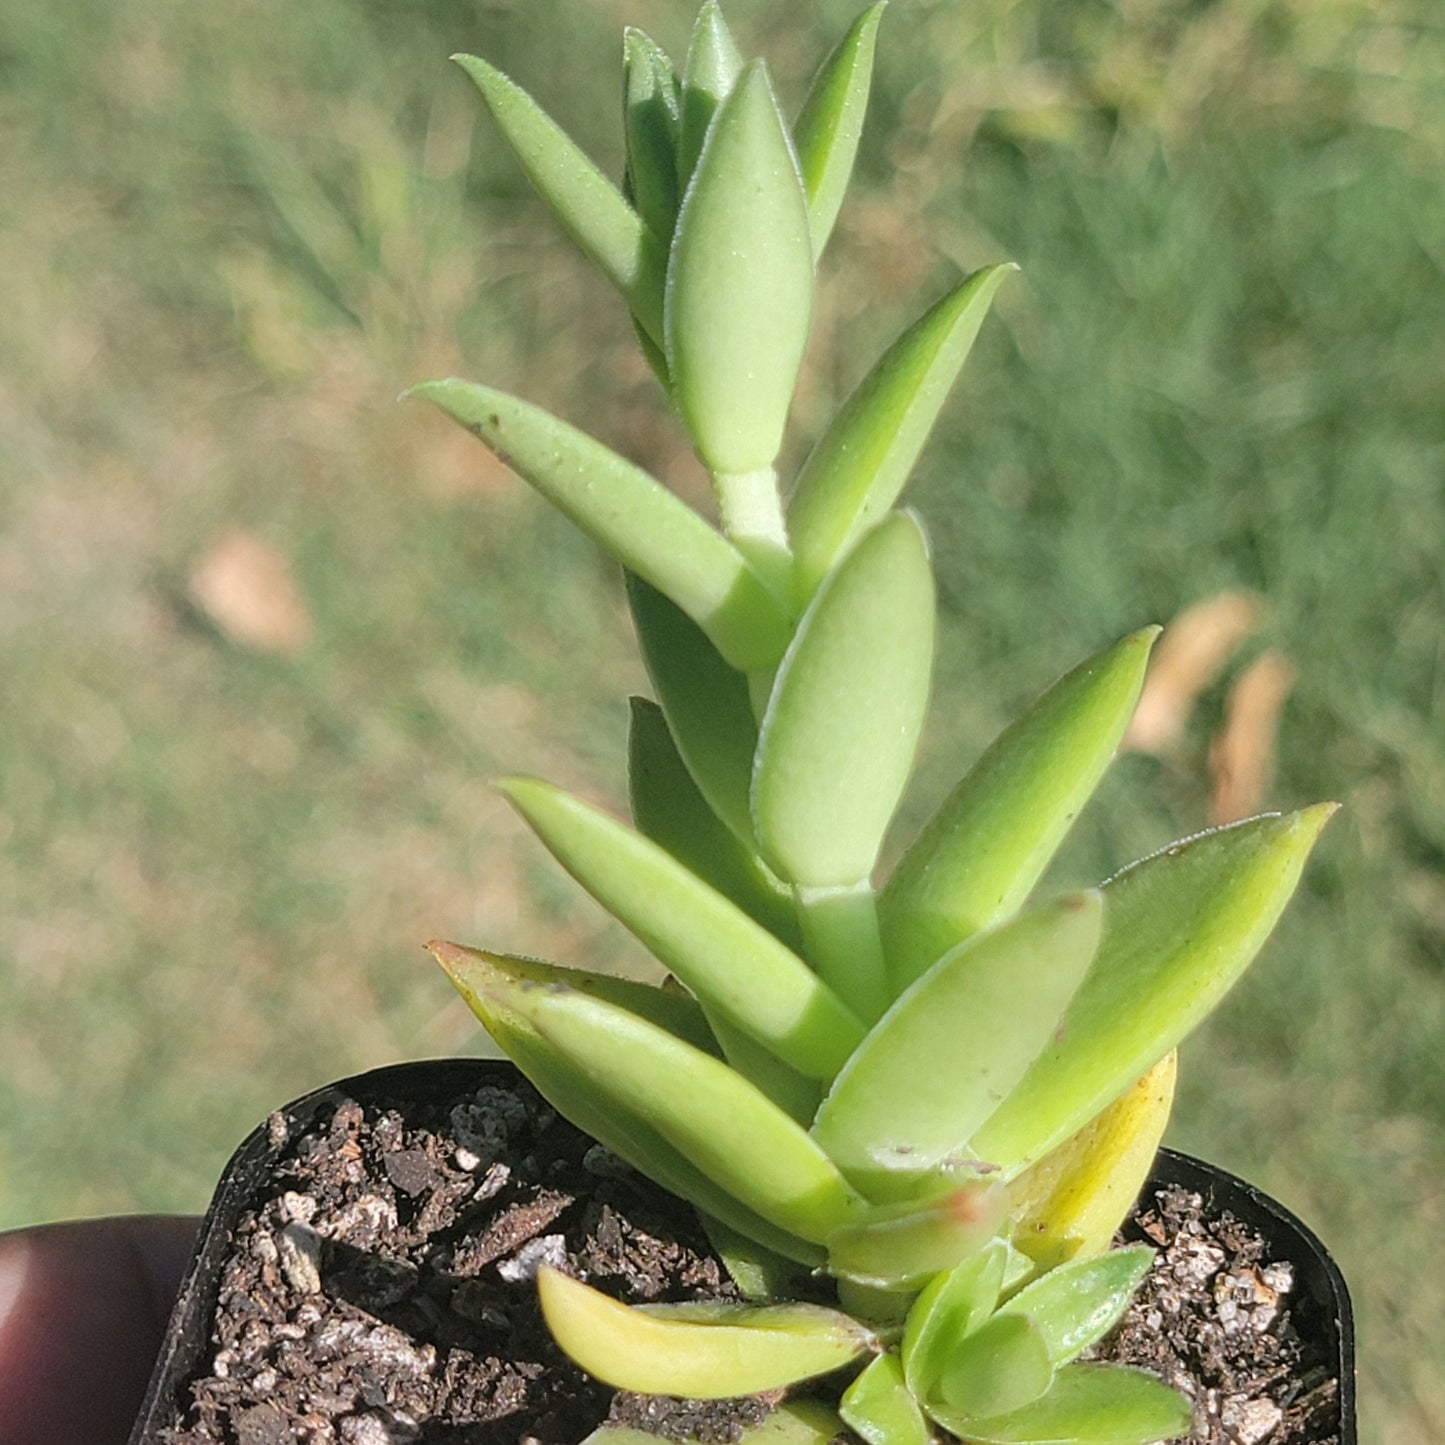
933, 1094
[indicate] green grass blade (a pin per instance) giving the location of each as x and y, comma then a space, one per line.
1086, 1405
473, 969
709, 74
985, 848
651, 120
858, 467
879, 1409
705, 1351
629, 514
707, 704
594, 211
1001, 1366
848, 704
762, 1158
971, 1027
739, 292
577, 1097
1179, 929
1080, 1302
899, 1248
830, 124
668, 808
732, 964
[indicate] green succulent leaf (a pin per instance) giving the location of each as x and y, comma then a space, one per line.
492, 993
951, 1307
1086, 1405
764, 1159
900, 1247
971, 1026
830, 124
629, 514
593, 210
1179, 929
878, 1407
705, 1351
652, 123
794, 1093
1000, 1367
1078, 1303
985, 848
858, 467
761, 1273
732, 964
472, 970
668, 808
799, 1422
740, 284
712, 69
848, 704
707, 704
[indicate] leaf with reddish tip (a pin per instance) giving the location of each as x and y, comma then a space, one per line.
705, 1351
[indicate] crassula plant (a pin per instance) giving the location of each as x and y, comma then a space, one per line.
911, 1111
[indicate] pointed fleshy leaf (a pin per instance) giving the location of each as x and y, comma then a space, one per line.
971, 1026
859, 465
706, 702
1086, 1405
1072, 1202
900, 1247
761, 1273
878, 1407
608, 1117
764, 1159
1001, 1366
1179, 929
593, 210
652, 119
795, 1094
985, 848
732, 964
740, 284
1078, 1303
705, 1351
629, 514
711, 70
473, 969
950, 1308
848, 704
830, 124
667, 807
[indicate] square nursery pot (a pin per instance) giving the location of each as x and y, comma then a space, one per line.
364, 1277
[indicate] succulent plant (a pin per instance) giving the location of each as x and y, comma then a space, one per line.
933, 1100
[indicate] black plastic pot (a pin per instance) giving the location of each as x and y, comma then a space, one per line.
1321, 1302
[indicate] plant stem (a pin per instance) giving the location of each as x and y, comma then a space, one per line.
840, 934
752, 518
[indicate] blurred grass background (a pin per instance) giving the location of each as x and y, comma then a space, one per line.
230, 234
